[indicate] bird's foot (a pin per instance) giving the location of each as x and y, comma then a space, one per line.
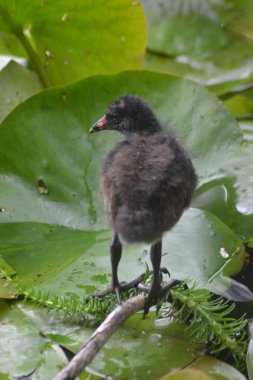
154, 293
164, 270
116, 289
119, 288
152, 299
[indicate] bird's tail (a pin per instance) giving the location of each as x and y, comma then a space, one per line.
136, 225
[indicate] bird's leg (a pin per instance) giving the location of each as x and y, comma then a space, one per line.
115, 286
155, 290
115, 254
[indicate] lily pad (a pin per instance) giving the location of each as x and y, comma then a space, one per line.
67, 41
6, 290
51, 132
216, 44
128, 354
167, 32
53, 229
22, 345
27, 350
206, 368
230, 197
53, 178
17, 84
62, 261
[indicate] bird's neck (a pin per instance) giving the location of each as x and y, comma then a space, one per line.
134, 136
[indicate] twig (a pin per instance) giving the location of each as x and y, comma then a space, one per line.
100, 337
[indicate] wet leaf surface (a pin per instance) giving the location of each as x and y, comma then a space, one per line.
84, 32
216, 45
17, 84
53, 229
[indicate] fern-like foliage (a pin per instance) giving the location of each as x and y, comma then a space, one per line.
207, 319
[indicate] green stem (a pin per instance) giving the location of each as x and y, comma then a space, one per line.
36, 62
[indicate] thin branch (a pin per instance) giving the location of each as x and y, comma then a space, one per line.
100, 337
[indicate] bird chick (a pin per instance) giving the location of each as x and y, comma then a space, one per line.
147, 182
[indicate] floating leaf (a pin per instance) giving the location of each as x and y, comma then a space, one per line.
17, 84
66, 41
52, 130
216, 44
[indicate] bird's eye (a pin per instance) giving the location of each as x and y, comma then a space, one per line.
112, 116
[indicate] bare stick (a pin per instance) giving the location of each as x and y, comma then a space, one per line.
100, 337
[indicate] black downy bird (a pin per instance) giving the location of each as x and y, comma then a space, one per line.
147, 181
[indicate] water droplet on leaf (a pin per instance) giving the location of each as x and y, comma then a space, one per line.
48, 53
155, 338
64, 17
224, 253
27, 31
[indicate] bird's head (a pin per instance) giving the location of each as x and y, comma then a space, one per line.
129, 115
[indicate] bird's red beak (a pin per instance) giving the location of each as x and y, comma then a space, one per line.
99, 125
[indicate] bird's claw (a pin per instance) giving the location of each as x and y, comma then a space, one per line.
154, 293
119, 288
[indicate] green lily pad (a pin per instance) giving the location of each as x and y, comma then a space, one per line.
53, 228
206, 368
240, 106
53, 178
53, 231
63, 261
222, 198
135, 336
216, 44
27, 350
140, 345
220, 81
54, 148
74, 39
6, 290
230, 197
4, 377
167, 31
128, 354
56, 259
17, 84
217, 369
